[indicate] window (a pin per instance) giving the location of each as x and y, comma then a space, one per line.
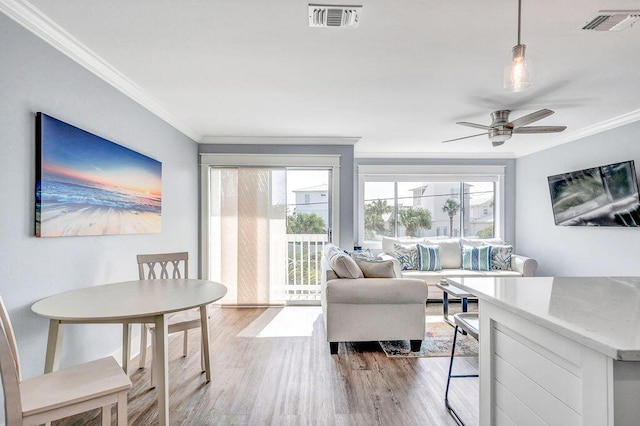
307, 198
424, 205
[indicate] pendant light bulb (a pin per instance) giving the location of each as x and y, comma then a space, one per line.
518, 73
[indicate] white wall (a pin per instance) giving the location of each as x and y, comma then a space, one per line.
575, 251
35, 77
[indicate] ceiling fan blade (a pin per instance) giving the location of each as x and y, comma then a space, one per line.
530, 118
465, 137
539, 129
477, 126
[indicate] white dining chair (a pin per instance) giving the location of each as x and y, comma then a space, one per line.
164, 266
63, 393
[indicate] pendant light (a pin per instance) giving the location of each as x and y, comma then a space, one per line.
518, 73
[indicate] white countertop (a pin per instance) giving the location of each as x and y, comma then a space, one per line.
602, 313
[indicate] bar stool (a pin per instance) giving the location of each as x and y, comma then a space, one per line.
468, 322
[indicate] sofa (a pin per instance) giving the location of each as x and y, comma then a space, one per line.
502, 262
371, 305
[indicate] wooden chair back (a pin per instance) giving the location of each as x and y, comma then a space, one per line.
163, 265
10, 369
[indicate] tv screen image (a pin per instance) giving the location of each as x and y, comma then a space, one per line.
598, 196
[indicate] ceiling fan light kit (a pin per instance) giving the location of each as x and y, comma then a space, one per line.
518, 73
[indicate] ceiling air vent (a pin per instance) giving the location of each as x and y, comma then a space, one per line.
613, 20
334, 15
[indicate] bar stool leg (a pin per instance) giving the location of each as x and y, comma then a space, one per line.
453, 350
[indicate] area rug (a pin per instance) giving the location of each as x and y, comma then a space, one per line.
437, 342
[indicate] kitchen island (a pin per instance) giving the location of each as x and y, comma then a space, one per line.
560, 351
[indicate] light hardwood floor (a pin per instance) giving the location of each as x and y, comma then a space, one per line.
273, 367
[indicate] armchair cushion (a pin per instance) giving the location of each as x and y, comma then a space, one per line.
385, 291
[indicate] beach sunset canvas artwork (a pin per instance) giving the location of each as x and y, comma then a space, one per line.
87, 185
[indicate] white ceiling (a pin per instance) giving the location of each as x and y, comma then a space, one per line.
399, 81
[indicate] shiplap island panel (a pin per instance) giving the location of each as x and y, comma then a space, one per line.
561, 351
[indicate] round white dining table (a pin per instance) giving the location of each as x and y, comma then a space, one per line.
130, 302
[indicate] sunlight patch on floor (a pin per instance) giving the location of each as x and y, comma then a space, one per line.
434, 318
290, 321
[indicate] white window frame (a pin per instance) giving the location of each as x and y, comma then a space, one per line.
439, 173
207, 161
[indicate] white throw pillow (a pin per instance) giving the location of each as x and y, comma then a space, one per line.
388, 242
477, 242
450, 252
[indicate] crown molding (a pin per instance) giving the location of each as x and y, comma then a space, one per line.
600, 127
42, 26
280, 140
437, 155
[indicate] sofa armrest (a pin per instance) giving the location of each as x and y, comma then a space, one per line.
525, 265
397, 268
377, 291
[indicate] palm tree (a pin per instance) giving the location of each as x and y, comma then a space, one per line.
486, 232
305, 223
451, 207
373, 217
414, 218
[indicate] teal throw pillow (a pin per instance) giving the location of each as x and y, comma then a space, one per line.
429, 258
476, 258
407, 255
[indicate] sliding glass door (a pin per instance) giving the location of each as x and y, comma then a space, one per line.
309, 224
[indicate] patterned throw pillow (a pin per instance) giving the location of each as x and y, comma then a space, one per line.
501, 257
429, 258
407, 255
363, 254
476, 258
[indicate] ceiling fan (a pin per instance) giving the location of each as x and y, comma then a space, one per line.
501, 129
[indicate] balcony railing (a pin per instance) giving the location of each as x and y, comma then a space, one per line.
303, 277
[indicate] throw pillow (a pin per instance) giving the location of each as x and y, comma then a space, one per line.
476, 258
501, 257
477, 242
450, 250
407, 255
363, 254
344, 266
375, 268
429, 258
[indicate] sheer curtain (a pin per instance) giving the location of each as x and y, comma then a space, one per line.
247, 234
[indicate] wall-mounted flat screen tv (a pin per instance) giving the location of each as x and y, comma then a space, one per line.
599, 196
